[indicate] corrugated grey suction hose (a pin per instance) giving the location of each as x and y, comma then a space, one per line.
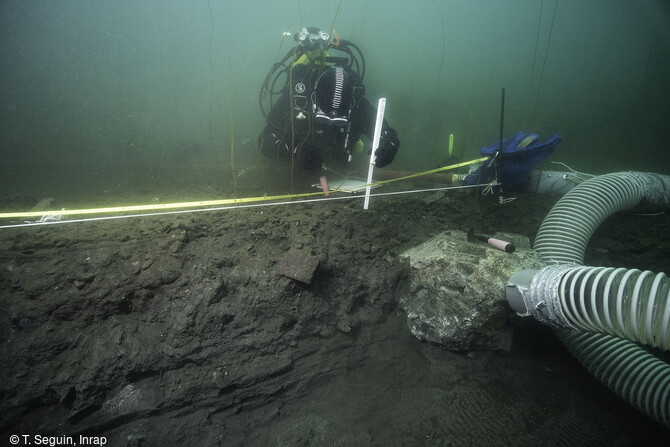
616, 306
566, 230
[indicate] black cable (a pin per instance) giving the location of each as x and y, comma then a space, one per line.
502, 118
532, 70
348, 43
278, 68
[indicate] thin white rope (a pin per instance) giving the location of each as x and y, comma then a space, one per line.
252, 205
578, 179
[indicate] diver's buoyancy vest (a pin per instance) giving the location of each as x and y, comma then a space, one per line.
303, 78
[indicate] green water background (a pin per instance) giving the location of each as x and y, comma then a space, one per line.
125, 102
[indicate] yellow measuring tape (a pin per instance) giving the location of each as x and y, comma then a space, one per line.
168, 206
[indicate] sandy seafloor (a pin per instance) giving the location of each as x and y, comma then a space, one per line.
180, 330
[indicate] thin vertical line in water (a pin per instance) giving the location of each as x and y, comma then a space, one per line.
337, 13
211, 72
232, 125
439, 74
502, 118
532, 70
546, 55
647, 83
439, 71
290, 106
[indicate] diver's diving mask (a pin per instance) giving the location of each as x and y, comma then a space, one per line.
312, 38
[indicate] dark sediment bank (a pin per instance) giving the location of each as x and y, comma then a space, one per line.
182, 330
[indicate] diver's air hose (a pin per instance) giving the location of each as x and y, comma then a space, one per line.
626, 303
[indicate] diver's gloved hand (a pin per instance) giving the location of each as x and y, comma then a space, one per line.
310, 157
388, 147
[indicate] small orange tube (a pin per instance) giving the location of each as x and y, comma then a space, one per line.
324, 185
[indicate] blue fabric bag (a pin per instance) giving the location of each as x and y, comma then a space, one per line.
520, 153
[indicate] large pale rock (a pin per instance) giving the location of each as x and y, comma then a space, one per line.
455, 294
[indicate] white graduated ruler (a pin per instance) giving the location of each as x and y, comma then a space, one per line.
381, 106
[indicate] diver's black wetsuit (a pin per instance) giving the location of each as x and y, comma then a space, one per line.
312, 141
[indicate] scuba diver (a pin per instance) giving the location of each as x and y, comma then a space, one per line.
321, 111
